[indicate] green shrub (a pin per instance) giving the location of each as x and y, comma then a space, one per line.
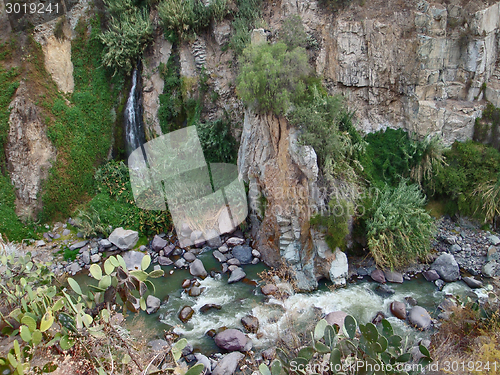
127, 36
244, 21
487, 128
472, 171
188, 17
392, 154
336, 223
389, 156
292, 33
326, 125
488, 195
219, 145
399, 230
272, 78
171, 101
114, 206
357, 348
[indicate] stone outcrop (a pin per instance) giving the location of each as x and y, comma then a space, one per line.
282, 177
124, 239
152, 83
421, 66
28, 151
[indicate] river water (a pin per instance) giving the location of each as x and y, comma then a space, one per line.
300, 310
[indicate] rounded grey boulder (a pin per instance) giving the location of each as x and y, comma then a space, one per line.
419, 318
231, 340
196, 268
447, 267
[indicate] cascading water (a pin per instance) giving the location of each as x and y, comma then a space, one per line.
134, 126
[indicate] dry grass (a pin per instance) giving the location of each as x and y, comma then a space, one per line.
470, 339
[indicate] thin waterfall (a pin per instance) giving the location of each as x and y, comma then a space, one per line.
134, 126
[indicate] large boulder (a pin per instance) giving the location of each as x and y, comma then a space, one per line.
186, 313
228, 364
378, 276
393, 277
269, 289
250, 323
236, 275
398, 309
219, 256
152, 304
243, 254
472, 282
339, 269
231, 340
158, 243
447, 267
490, 269
420, 318
196, 268
431, 275
124, 239
494, 240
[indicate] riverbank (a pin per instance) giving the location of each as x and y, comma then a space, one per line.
266, 310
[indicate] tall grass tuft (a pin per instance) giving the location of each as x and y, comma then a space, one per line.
399, 229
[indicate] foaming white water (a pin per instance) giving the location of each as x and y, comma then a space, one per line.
234, 302
299, 312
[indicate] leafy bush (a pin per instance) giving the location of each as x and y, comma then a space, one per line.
127, 36
114, 206
272, 78
292, 33
472, 171
399, 230
326, 125
392, 154
219, 145
171, 101
336, 223
244, 21
187, 17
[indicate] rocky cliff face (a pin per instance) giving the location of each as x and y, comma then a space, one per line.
283, 193
423, 67
29, 152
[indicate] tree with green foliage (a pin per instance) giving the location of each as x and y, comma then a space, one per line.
326, 125
272, 78
244, 21
399, 229
128, 34
292, 33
